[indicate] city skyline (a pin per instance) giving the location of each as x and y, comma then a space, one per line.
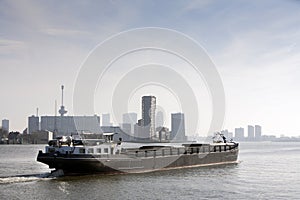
149, 115
42, 45
129, 129
131, 119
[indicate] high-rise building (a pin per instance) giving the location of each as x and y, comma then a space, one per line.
250, 132
159, 120
257, 132
106, 120
239, 133
129, 119
178, 127
33, 124
148, 115
5, 125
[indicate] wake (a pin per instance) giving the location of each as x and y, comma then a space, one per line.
26, 178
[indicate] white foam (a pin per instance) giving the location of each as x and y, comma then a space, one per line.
20, 179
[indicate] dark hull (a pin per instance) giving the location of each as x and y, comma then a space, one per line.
90, 164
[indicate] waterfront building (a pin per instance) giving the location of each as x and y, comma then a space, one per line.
64, 125
5, 125
239, 134
178, 127
68, 125
33, 124
250, 132
257, 132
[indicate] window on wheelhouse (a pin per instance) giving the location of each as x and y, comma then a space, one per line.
90, 150
105, 150
98, 150
82, 150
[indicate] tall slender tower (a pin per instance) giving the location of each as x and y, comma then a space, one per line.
62, 110
148, 114
55, 118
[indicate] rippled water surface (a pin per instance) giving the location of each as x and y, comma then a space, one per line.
266, 171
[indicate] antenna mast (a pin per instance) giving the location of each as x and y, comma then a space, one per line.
62, 95
62, 110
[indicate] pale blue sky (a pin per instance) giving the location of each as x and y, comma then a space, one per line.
254, 44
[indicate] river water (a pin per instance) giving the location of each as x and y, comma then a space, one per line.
267, 170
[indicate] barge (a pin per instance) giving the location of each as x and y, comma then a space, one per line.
70, 156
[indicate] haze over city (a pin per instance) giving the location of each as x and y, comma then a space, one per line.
254, 46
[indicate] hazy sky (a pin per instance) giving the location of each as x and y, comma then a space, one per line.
254, 45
